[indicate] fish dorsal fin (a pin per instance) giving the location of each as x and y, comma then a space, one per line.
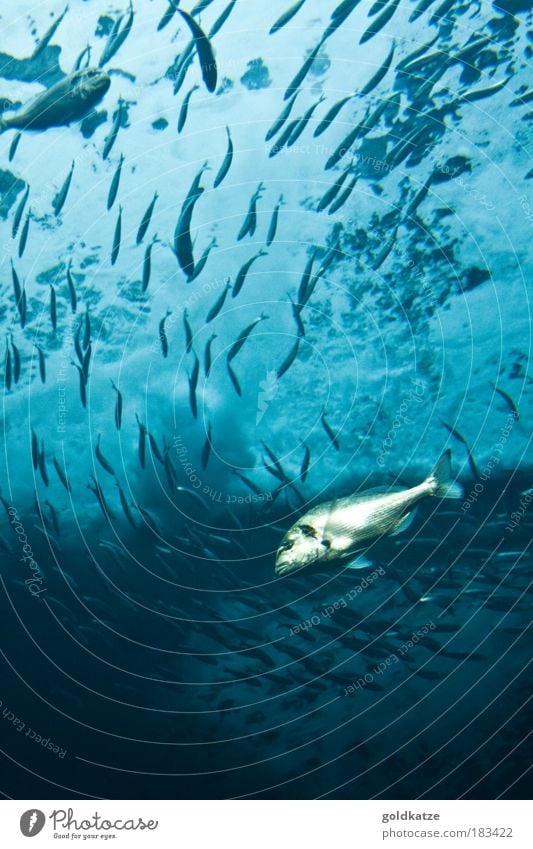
403, 523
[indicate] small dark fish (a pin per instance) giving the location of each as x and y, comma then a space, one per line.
117, 37
49, 34
62, 476
167, 17
219, 303
147, 264
296, 312
116, 237
147, 217
111, 137
303, 122
385, 251
105, 464
286, 17
459, 436
113, 188
420, 9
329, 196
327, 428
34, 450
343, 196
118, 407
250, 484
304, 282
273, 226
19, 211
241, 276
86, 362
84, 56
53, 307
125, 507
330, 115
204, 49
188, 332
200, 265
282, 117
163, 334
155, 449
24, 233
16, 362
200, 6
193, 383
8, 378
207, 355
22, 309
59, 200
302, 73
250, 222
380, 73
206, 450
222, 18
42, 364
83, 388
228, 159
142, 441
380, 21
289, 359
234, 380
13, 146
87, 329
42, 465
97, 490
479, 94
71, 288
506, 397
243, 336
77, 345
305, 463
185, 108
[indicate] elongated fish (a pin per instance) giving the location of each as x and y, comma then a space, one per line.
243, 271
71, 288
17, 218
219, 303
59, 200
184, 111
147, 263
243, 336
228, 159
204, 49
62, 104
273, 226
250, 221
339, 528
118, 406
287, 16
115, 182
49, 34
117, 37
207, 354
117, 237
24, 233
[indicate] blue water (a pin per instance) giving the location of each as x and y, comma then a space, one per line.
148, 648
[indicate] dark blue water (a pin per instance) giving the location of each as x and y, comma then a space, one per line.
148, 648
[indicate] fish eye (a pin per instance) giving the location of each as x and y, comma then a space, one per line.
308, 531
285, 546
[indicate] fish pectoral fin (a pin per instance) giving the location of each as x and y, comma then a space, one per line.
359, 562
403, 523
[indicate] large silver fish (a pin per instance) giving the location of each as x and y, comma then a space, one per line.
340, 528
67, 101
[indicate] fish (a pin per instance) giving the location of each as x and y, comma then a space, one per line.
206, 450
375, 80
207, 354
125, 507
303, 122
142, 441
282, 117
42, 465
60, 198
327, 428
147, 264
118, 406
113, 188
273, 226
182, 234
193, 383
508, 400
250, 484
221, 20
13, 146
8, 375
105, 464
83, 388
24, 233
62, 476
163, 334
337, 529
250, 222
329, 196
287, 16
185, 108
117, 37
460, 438
380, 21
200, 265
204, 50
34, 450
49, 34
219, 303
302, 73
19, 212
111, 137
42, 364
188, 332
87, 329
53, 307
155, 449
117, 237
289, 359
243, 271
97, 490
330, 115
86, 362
62, 104
71, 288
344, 195
226, 164
243, 336
234, 380
84, 56
297, 315
168, 14
305, 463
